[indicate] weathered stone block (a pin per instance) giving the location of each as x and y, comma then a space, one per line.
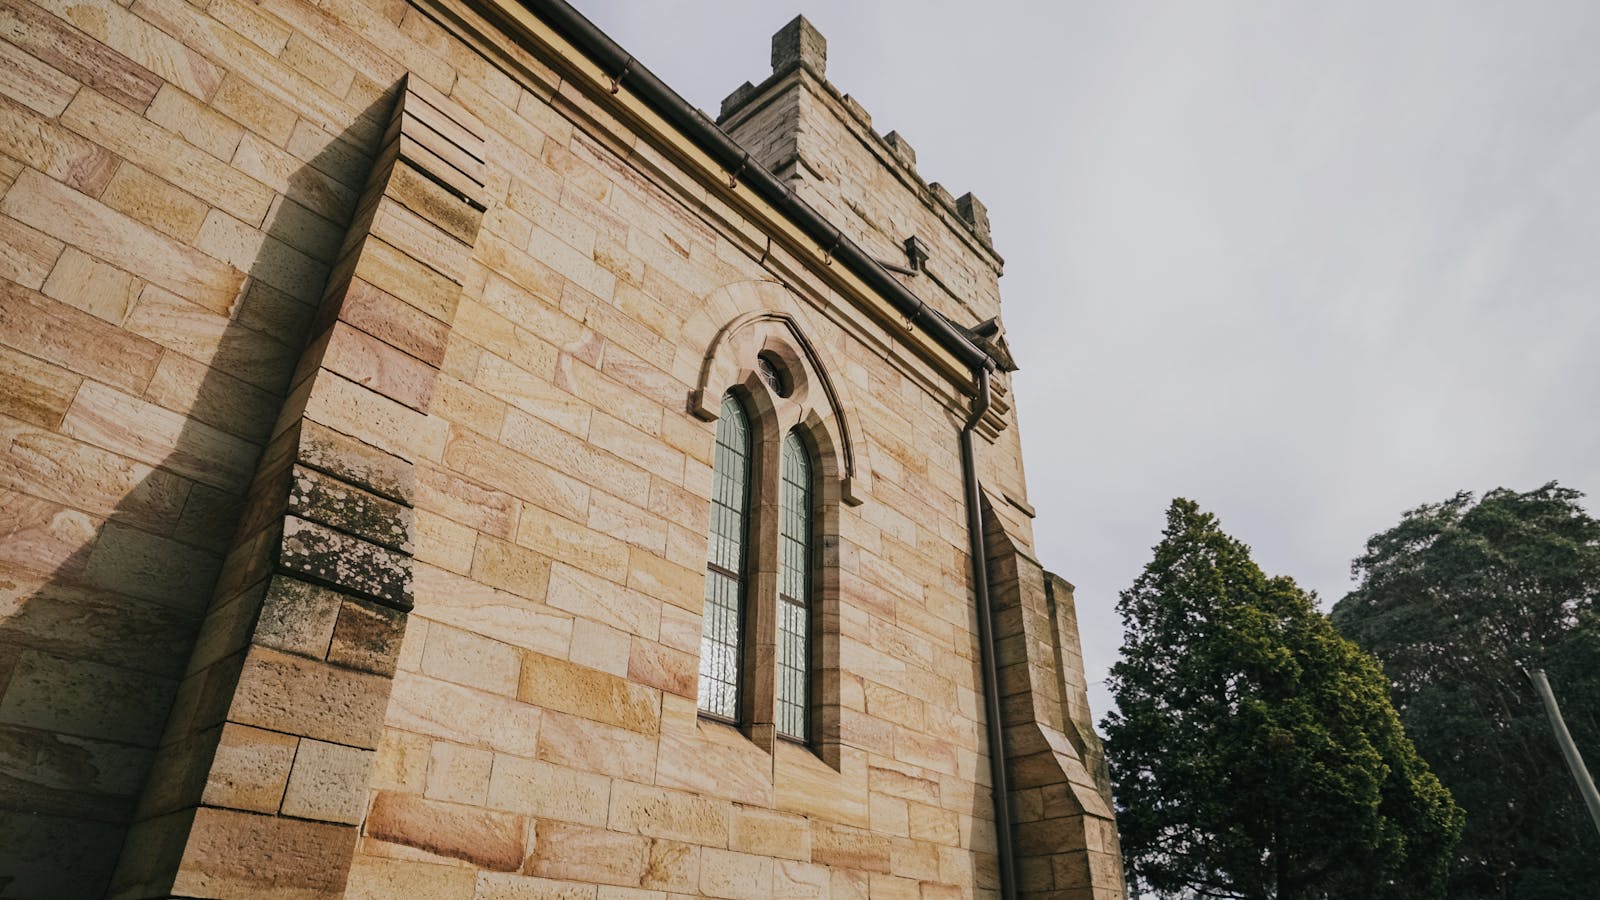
459, 774
510, 567
592, 746
472, 606
737, 876
893, 887
580, 593
428, 199
795, 879
295, 695
506, 886
232, 853
373, 878
378, 366
1052, 836
914, 860
151, 200
360, 412
443, 492
599, 646
658, 666
856, 848
768, 833
472, 660
98, 289
33, 391
717, 761
657, 812
484, 838
549, 791
367, 636
249, 770
354, 461
328, 782
342, 505
456, 713
560, 685
297, 617
673, 866
399, 275
888, 815
938, 826
580, 853
318, 553
395, 322
402, 762
800, 43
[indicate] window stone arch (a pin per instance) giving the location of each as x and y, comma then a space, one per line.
732, 359
805, 405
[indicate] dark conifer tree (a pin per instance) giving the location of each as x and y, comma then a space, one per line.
1254, 751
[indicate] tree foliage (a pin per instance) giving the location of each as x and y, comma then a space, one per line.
1254, 751
1456, 600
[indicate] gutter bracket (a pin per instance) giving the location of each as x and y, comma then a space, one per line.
616, 80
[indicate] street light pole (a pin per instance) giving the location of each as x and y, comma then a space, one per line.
1580, 774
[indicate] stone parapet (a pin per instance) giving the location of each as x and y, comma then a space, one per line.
797, 124
799, 44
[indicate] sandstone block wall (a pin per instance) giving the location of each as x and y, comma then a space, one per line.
176, 184
492, 415
823, 143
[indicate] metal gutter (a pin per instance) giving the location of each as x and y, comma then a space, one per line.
630, 73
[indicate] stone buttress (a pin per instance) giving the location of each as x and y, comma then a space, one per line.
1065, 827
261, 780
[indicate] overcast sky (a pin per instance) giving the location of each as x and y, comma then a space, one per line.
1308, 264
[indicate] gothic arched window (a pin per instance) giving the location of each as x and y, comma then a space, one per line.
794, 588
782, 470
721, 636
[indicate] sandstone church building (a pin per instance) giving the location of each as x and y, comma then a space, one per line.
438, 462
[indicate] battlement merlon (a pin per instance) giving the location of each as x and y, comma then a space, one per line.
805, 130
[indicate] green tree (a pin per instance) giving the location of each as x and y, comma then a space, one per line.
1254, 751
1456, 600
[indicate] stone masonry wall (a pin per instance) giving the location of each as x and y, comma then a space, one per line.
822, 142
177, 181
542, 735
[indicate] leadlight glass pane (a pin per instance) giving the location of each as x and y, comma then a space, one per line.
794, 588
772, 376
720, 629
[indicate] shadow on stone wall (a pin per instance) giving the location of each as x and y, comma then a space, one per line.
98, 618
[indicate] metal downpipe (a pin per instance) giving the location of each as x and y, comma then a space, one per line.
986, 646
